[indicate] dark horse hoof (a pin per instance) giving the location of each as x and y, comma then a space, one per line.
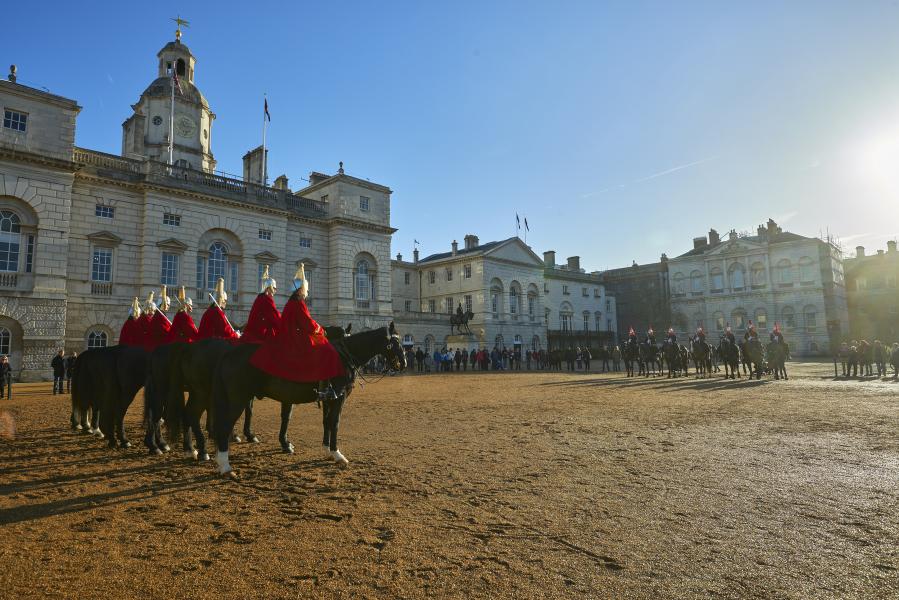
287, 448
252, 438
155, 452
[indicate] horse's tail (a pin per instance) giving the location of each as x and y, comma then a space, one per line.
80, 397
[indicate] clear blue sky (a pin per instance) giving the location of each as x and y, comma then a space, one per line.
621, 129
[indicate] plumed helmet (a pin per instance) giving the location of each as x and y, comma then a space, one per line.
183, 300
267, 281
151, 306
671, 330
299, 281
134, 311
221, 296
164, 301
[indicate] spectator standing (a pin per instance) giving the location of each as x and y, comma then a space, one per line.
457, 357
70, 370
5, 376
58, 365
587, 356
465, 359
419, 359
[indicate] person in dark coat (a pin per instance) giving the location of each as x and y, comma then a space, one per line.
70, 370
58, 364
5, 375
420, 360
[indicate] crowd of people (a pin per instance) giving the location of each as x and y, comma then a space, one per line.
445, 360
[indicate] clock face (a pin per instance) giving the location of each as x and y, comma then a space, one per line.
185, 126
157, 120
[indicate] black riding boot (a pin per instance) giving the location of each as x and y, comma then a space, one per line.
326, 391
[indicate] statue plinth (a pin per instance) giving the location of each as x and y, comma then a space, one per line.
463, 342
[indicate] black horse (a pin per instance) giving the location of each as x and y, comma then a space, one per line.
106, 380
701, 353
730, 356
630, 353
754, 356
778, 353
649, 356
674, 359
181, 367
237, 381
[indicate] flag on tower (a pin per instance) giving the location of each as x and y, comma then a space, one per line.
517, 221
526, 228
265, 108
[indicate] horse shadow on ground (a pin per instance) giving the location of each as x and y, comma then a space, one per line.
57, 480
90, 502
663, 382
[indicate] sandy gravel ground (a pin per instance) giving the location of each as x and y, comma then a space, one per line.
502, 485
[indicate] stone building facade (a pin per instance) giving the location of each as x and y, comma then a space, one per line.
83, 232
871, 289
774, 276
641, 295
500, 282
578, 311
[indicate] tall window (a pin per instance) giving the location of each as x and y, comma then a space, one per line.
719, 321
806, 270
101, 265
466, 270
784, 272
717, 280
757, 274
364, 203
217, 264
364, 287
532, 304
738, 318
761, 319
494, 302
677, 287
513, 301
789, 317
406, 278
696, 282
432, 306
170, 264
5, 341
408, 306
811, 319
468, 303
586, 321
450, 306
10, 241
598, 318
449, 274
565, 321
737, 277
96, 339
432, 277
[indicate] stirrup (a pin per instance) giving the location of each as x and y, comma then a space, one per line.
327, 393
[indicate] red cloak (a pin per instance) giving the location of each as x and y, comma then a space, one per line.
215, 325
130, 335
264, 321
159, 331
300, 351
183, 328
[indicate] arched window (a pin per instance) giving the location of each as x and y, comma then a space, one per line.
498, 341
429, 343
737, 277
761, 319
97, 339
757, 274
216, 265
586, 317
10, 241
364, 284
719, 321
598, 319
806, 270
179, 67
565, 316
789, 317
717, 279
810, 315
678, 284
784, 272
514, 302
5, 341
696, 282
738, 319
496, 297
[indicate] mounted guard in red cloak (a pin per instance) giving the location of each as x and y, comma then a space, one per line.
214, 323
183, 328
300, 351
159, 323
265, 320
131, 335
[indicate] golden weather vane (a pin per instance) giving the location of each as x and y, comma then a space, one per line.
180, 22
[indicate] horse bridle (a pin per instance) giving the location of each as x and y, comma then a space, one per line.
356, 367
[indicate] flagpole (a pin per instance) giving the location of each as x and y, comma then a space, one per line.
172, 120
263, 140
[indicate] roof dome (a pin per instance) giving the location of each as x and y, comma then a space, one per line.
162, 87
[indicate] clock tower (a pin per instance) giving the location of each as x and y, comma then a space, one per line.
145, 134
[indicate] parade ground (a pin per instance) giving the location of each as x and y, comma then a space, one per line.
478, 485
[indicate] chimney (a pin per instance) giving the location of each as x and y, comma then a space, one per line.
860, 251
699, 242
455, 247
315, 177
732, 234
471, 241
880, 253
415, 255
281, 183
549, 258
574, 263
714, 238
663, 258
891, 246
772, 226
252, 165
399, 257
762, 232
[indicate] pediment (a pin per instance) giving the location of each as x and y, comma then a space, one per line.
737, 246
516, 251
104, 237
172, 244
308, 262
266, 257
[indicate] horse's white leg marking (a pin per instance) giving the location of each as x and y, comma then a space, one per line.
222, 459
340, 459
